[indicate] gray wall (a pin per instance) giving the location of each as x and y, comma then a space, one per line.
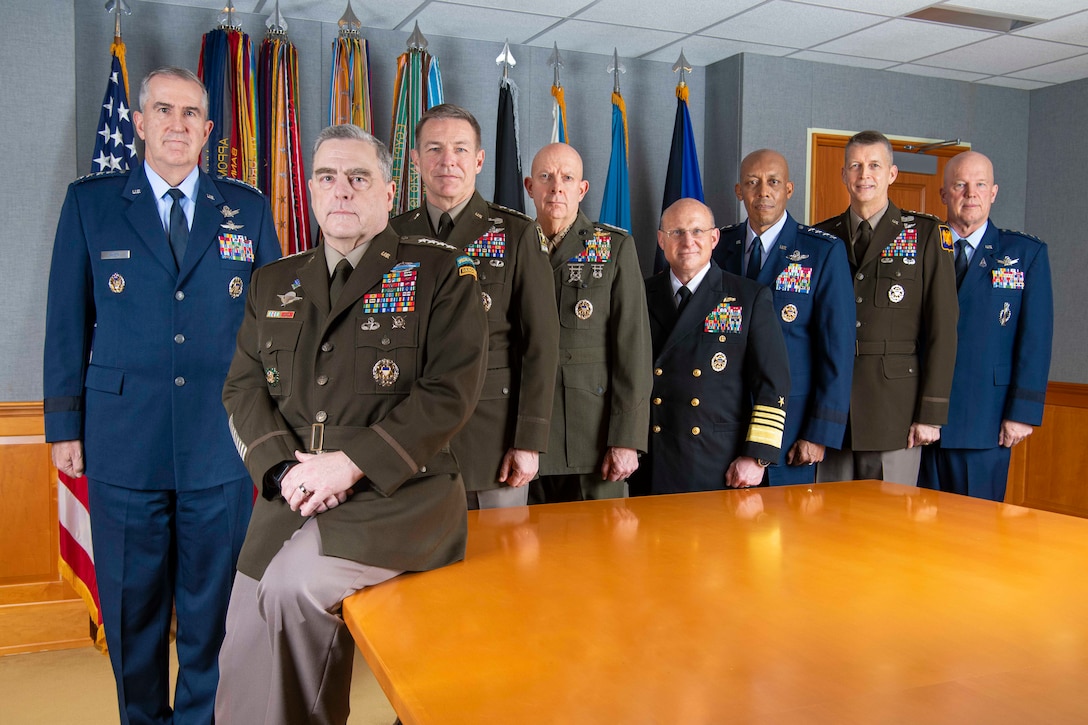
738, 104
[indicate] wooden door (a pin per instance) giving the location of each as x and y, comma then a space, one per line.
913, 191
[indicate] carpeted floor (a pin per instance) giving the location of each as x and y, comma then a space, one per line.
76, 686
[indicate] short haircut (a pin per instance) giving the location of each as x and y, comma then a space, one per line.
450, 111
351, 132
172, 71
870, 138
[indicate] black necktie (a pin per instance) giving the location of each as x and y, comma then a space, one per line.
865, 235
445, 226
179, 227
685, 296
755, 259
339, 278
961, 261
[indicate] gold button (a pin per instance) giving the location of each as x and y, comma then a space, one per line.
657, 429
696, 372
658, 371
694, 402
657, 401
695, 431
721, 338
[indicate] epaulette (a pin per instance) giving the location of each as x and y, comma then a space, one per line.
513, 212
609, 228
427, 241
813, 231
239, 182
311, 250
100, 175
1025, 235
731, 227
907, 212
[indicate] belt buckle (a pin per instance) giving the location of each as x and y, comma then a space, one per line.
317, 438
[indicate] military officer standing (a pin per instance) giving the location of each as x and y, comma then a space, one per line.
1005, 331
601, 412
499, 448
355, 364
808, 275
146, 292
905, 290
720, 368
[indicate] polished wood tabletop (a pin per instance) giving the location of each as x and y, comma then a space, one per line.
859, 602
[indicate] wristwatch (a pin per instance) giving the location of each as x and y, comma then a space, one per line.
762, 463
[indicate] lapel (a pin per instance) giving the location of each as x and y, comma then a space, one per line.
705, 299
206, 220
143, 215
887, 229
776, 257
986, 255
840, 227
729, 254
573, 242
313, 276
472, 223
415, 223
661, 307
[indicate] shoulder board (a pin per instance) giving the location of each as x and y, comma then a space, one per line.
813, 231
922, 214
609, 228
511, 212
428, 242
100, 175
304, 252
732, 227
238, 182
1025, 235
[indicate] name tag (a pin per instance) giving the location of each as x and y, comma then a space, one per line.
116, 254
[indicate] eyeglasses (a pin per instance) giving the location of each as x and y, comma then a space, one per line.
678, 234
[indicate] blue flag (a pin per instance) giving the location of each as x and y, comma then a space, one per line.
682, 180
114, 146
616, 204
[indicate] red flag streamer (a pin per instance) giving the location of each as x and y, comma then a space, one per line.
227, 67
282, 177
349, 87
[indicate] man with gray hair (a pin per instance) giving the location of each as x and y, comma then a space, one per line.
356, 363
146, 292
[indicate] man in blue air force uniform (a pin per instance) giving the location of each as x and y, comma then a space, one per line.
721, 374
145, 297
1005, 329
808, 274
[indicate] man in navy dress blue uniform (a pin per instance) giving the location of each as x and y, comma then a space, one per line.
808, 274
721, 374
1005, 330
146, 292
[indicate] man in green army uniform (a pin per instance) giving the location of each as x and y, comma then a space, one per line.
905, 290
601, 414
498, 450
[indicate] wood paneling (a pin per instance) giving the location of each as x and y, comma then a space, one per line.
917, 192
38, 610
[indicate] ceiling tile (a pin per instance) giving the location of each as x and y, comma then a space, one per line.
849, 60
889, 8
1062, 71
791, 24
1001, 55
558, 8
588, 37
1007, 82
924, 70
701, 50
1044, 9
903, 40
1071, 29
480, 23
697, 14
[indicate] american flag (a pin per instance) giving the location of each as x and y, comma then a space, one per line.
114, 144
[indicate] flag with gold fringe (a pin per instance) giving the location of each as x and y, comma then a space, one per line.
418, 87
616, 202
228, 69
682, 179
349, 86
282, 175
115, 145
76, 552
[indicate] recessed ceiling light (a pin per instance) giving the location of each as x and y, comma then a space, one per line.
967, 18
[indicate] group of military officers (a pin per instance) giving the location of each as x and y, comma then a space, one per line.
406, 370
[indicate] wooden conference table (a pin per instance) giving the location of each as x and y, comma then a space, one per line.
856, 602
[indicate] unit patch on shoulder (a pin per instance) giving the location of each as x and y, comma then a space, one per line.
465, 267
946, 238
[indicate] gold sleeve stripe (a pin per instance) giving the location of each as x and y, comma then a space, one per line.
770, 412
763, 434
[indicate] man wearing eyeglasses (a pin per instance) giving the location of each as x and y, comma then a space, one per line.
721, 371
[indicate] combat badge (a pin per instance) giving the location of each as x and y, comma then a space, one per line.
486, 299
718, 362
398, 322
1005, 315
272, 376
385, 372
896, 293
117, 283
234, 289
288, 298
583, 309
789, 313
370, 324
575, 272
